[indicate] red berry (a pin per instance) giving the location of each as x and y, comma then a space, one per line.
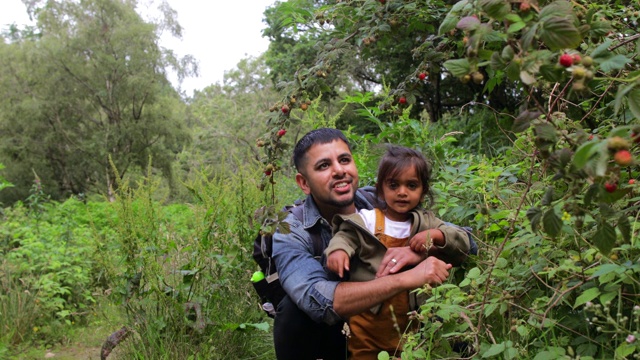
281, 132
285, 109
402, 100
591, 137
632, 181
623, 158
635, 137
525, 6
382, 2
422, 76
610, 187
267, 172
576, 59
566, 60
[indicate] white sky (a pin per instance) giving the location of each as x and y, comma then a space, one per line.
217, 33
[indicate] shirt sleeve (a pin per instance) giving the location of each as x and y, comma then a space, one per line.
302, 276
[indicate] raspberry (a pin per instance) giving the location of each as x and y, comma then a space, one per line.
623, 158
610, 187
566, 60
402, 100
281, 132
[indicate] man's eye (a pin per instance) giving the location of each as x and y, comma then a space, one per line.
323, 166
345, 160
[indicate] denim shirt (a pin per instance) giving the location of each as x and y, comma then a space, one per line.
305, 279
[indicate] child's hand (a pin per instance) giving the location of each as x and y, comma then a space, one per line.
418, 243
338, 262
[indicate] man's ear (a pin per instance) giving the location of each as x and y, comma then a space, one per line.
303, 184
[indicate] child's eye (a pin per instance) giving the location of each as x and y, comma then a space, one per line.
413, 186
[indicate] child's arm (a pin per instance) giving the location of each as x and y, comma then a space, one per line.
447, 243
338, 262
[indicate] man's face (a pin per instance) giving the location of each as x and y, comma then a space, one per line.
330, 175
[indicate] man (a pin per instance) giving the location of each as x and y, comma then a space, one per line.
309, 320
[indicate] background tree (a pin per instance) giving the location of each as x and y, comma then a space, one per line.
88, 85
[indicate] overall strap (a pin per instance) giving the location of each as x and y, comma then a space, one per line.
379, 230
316, 239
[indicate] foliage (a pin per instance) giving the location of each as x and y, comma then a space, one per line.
87, 82
49, 267
184, 270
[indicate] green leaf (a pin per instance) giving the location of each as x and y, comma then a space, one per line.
625, 227
616, 62
622, 91
551, 72
634, 102
546, 131
494, 350
584, 153
548, 196
515, 27
458, 67
588, 295
496, 9
556, 9
604, 238
513, 71
602, 50
523, 121
559, 33
552, 223
624, 350
551, 353
383, 355
534, 215
450, 21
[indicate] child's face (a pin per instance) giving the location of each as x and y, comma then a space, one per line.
402, 194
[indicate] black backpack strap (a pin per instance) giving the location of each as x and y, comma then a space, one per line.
316, 239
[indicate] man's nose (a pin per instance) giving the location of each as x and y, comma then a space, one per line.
339, 170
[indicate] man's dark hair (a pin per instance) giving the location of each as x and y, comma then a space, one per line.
398, 159
317, 136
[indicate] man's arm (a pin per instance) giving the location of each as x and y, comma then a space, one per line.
352, 298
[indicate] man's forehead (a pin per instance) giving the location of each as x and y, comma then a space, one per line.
328, 149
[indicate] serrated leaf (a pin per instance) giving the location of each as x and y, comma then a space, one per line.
564, 156
496, 9
547, 199
534, 215
587, 295
604, 238
584, 153
602, 50
468, 23
556, 9
494, 350
551, 72
284, 228
515, 27
529, 36
457, 67
625, 227
513, 71
634, 102
450, 21
523, 121
551, 223
622, 91
616, 62
546, 132
600, 28
559, 33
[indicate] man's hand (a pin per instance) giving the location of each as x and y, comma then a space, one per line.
432, 271
338, 262
396, 259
